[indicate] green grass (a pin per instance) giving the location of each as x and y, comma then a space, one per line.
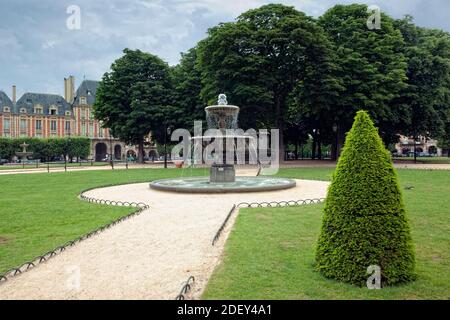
270, 252
41, 211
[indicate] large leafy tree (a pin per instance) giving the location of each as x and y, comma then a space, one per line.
371, 67
134, 98
186, 79
427, 96
259, 59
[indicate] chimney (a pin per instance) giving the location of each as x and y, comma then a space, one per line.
69, 88
14, 94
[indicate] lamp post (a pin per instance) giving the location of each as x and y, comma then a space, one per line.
111, 151
335, 130
167, 131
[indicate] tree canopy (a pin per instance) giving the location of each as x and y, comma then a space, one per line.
306, 77
134, 97
258, 61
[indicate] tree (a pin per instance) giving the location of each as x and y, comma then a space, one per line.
365, 220
371, 68
186, 84
258, 60
427, 96
133, 97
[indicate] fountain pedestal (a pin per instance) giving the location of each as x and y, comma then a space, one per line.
222, 173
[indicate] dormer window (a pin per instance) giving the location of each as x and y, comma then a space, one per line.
38, 110
23, 110
82, 100
53, 111
6, 109
68, 113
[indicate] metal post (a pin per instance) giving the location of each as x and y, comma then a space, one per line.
165, 147
111, 152
415, 154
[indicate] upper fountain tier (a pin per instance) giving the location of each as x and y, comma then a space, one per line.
222, 116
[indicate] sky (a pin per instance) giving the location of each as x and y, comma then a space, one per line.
38, 48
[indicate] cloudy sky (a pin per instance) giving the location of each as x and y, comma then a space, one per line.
37, 49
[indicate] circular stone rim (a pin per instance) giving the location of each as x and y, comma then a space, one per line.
171, 188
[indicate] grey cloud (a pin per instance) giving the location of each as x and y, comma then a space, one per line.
37, 50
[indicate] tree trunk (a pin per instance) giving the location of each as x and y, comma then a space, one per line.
313, 148
319, 147
334, 150
141, 151
296, 150
280, 125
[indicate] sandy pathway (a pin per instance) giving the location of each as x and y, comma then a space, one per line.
148, 256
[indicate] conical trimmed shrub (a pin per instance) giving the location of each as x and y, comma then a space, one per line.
364, 221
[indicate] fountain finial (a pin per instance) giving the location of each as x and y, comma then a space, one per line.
222, 101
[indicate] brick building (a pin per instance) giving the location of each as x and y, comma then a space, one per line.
50, 115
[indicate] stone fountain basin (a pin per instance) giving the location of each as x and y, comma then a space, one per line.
241, 184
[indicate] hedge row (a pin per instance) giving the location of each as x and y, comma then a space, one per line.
73, 147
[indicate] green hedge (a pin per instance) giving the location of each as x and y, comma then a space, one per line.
73, 147
365, 221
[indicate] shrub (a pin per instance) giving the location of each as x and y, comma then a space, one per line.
365, 221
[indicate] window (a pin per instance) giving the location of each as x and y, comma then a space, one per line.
67, 125
23, 110
67, 113
39, 125
53, 111
23, 124
6, 109
100, 132
91, 130
83, 129
82, 100
53, 125
38, 110
6, 124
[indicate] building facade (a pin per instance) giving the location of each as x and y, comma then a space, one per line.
43, 115
423, 146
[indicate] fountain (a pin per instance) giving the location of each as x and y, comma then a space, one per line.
24, 153
220, 118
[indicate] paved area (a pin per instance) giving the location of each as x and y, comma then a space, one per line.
148, 256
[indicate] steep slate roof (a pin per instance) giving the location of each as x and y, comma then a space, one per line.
29, 100
5, 101
88, 89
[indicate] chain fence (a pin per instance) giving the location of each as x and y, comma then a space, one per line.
273, 204
186, 287
46, 256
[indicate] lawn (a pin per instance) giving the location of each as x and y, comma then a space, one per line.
270, 251
41, 211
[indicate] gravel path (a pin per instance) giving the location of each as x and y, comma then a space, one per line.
148, 256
